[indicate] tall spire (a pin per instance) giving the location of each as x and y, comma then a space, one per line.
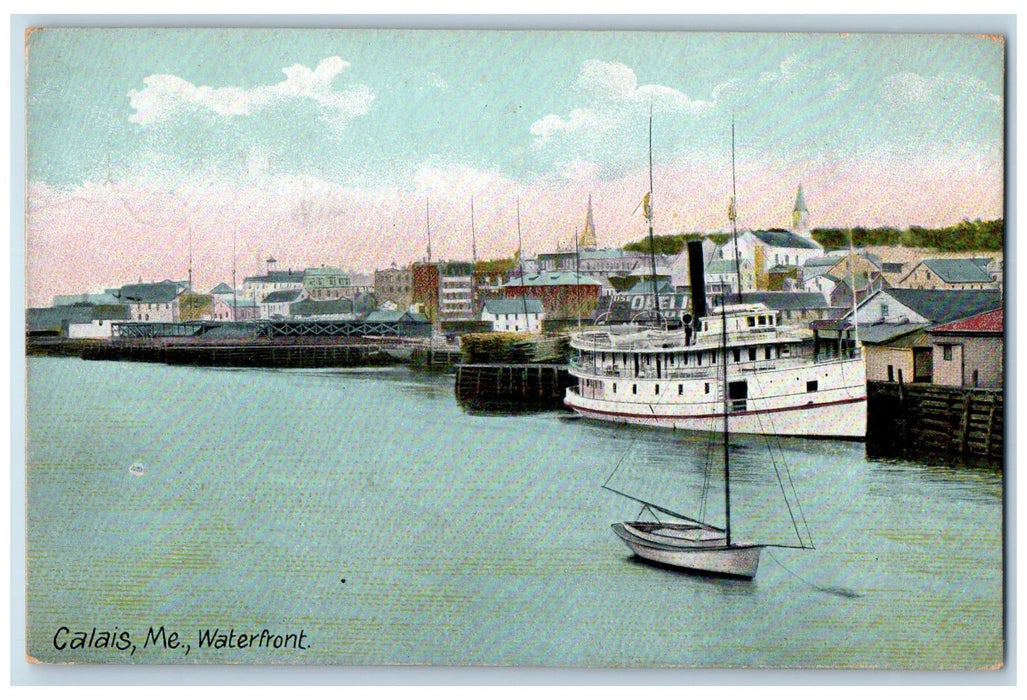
588, 236
800, 214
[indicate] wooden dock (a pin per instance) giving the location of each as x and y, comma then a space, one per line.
521, 385
245, 354
951, 423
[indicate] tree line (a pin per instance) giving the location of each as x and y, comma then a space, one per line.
965, 236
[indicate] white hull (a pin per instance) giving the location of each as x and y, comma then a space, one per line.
707, 555
840, 415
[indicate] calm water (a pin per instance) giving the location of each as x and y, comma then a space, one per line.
369, 511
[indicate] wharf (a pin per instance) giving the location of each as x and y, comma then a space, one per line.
522, 385
953, 424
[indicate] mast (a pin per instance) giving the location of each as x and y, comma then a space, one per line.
474, 250
427, 219
852, 283
727, 460
733, 214
577, 265
648, 211
520, 260
235, 294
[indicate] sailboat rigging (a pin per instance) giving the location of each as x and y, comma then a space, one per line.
692, 544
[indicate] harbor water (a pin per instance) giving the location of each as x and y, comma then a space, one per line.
363, 517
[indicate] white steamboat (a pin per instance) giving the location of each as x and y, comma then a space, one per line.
778, 382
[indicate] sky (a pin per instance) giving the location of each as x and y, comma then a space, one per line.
341, 147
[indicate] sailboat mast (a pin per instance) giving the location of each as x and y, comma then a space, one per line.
520, 260
649, 215
235, 293
727, 459
427, 220
733, 213
474, 249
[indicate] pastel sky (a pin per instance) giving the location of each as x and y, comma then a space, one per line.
320, 146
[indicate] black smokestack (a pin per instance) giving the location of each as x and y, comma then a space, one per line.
697, 278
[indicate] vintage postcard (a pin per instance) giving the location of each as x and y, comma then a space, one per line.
515, 348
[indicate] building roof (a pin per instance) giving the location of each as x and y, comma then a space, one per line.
643, 287
101, 298
277, 276
957, 270
552, 279
54, 317
512, 305
325, 307
282, 296
989, 322
722, 266
382, 316
904, 335
222, 288
157, 293
946, 305
780, 238
787, 301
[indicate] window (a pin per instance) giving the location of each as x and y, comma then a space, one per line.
707, 387
737, 354
946, 352
891, 373
766, 352
634, 388
752, 321
656, 389
615, 387
752, 353
811, 386
681, 389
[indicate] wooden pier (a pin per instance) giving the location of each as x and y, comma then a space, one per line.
520, 385
951, 423
247, 354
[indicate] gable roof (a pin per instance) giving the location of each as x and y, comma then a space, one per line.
958, 270
645, 286
787, 301
945, 305
780, 238
282, 296
222, 288
158, 293
552, 279
498, 305
383, 316
989, 322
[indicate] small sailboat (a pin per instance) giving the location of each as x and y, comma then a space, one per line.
137, 469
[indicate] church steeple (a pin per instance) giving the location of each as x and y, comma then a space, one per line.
800, 214
588, 236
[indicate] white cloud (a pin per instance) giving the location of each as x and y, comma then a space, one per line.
614, 99
166, 96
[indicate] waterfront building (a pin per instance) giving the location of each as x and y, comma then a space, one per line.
889, 318
969, 352
514, 314
949, 273
564, 295
243, 309
394, 284
82, 320
321, 283
444, 290
257, 287
765, 249
278, 304
154, 302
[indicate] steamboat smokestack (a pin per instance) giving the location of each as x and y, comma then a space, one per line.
697, 279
